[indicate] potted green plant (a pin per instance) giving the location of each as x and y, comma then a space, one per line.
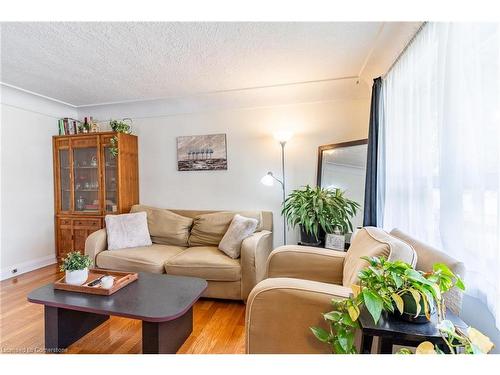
318, 211
384, 286
118, 126
76, 266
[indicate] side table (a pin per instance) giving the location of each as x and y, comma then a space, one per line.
392, 330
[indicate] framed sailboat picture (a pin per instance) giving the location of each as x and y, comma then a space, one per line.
202, 152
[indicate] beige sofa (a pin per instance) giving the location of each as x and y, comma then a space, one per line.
301, 283
185, 243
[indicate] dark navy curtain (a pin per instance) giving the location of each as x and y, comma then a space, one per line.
370, 206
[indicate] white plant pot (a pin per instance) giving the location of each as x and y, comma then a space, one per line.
77, 277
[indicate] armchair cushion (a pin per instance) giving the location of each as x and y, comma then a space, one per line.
371, 241
305, 262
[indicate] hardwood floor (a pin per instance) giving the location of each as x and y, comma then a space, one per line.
219, 326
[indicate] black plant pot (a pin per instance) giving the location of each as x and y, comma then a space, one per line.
309, 239
410, 309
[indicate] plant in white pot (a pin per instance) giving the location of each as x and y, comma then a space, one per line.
76, 266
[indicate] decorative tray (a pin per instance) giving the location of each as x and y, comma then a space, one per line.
121, 279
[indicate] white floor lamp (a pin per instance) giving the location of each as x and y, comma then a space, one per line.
269, 178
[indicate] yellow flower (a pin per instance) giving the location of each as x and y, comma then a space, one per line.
425, 347
480, 341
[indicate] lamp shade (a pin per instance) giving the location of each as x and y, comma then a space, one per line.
283, 136
268, 179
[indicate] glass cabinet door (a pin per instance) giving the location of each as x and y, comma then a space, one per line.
86, 179
65, 184
110, 181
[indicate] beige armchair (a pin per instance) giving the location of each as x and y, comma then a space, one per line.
302, 281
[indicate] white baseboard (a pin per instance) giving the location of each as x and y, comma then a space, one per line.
28, 266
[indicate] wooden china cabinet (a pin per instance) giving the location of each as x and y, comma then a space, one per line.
90, 183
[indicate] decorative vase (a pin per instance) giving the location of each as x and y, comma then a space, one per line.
308, 239
77, 277
410, 310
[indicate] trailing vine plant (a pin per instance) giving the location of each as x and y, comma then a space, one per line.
383, 286
119, 126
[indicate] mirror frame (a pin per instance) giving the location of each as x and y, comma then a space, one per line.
331, 147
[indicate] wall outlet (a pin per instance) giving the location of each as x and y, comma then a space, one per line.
14, 270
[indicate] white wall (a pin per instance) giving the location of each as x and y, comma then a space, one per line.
27, 204
252, 151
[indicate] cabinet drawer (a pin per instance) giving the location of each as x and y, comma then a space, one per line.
87, 223
106, 139
88, 141
64, 221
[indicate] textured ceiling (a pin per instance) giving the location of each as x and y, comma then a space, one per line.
91, 63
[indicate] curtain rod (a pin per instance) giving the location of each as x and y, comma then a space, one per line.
404, 49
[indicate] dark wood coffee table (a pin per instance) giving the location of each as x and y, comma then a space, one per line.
163, 303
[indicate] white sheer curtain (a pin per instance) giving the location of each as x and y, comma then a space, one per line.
440, 148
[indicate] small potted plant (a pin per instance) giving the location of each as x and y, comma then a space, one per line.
76, 266
318, 211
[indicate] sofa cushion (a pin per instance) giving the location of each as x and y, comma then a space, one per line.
206, 262
374, 242
240, 228
166, 227
127, 230
138, 259
208, 229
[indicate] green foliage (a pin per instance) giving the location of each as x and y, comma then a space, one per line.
343, 323
383, 285
119, 127
316, 208
75, 261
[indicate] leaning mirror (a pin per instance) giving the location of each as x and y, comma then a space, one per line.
343, 166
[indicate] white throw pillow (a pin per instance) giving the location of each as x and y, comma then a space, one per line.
240, 228
127, 230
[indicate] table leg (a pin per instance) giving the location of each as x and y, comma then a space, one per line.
385, 345
366, 344
166, 337
63, 327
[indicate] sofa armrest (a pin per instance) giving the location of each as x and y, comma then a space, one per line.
255, 250
95, 243
305, 262
280, 311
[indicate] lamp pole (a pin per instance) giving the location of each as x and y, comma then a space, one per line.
283, 143
269, 178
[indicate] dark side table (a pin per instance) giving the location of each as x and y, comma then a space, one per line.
392, 330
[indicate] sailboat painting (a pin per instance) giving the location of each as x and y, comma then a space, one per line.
202, 152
